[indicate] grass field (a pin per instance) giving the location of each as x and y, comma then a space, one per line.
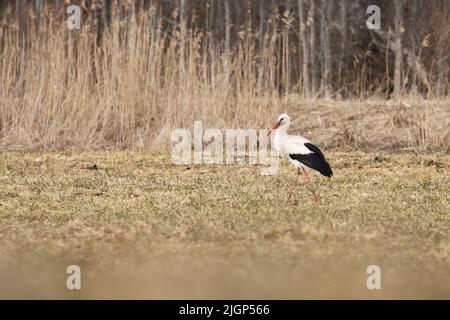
140, 227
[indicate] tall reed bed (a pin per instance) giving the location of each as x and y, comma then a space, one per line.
130, 86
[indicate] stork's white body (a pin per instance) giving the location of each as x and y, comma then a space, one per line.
286, 144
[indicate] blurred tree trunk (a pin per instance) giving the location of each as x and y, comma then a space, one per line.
442, 74
312, 48
325, 46
17, 13
305, 50
132, 10
227, 38
414, 43
442, 77
183, 30
261, 26
262, 20
398, 47
212, 17
343, 7
38, 10
106, 14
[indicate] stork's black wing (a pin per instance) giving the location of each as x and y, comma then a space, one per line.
315, 160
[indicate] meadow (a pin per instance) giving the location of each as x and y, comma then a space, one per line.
141, 227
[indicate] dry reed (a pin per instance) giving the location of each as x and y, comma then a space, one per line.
67, 89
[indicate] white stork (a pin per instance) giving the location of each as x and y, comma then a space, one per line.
301, 152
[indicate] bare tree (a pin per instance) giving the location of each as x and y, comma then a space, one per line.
227, 37
343, 27
305, 50
312, 48
262, 16
17, 10
325, 44
398, 47
183, 28
39, 6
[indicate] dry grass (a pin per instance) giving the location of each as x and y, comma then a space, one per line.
375, 125
64, 89
141, 227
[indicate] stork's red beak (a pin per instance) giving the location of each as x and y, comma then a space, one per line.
274, 127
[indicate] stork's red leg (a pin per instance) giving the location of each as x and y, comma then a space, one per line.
295, 183
311, 184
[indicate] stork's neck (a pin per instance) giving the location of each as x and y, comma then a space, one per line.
282, 131
279, 136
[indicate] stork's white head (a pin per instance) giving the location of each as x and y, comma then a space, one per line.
282, 123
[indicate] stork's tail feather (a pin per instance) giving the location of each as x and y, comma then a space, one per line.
325, 169
314, 160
